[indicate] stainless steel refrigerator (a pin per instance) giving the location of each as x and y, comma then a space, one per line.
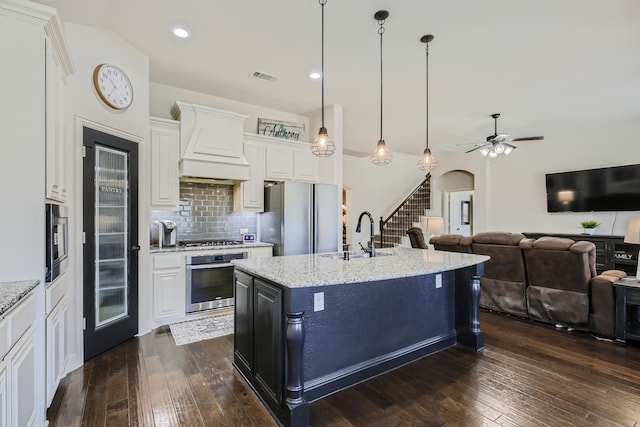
300, 218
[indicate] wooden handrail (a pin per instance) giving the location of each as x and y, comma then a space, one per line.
384, 222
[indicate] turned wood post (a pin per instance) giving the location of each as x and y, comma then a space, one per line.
475, 302
295, 342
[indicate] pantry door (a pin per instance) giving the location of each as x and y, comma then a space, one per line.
110, 225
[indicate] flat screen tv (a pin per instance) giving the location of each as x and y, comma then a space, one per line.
594, 190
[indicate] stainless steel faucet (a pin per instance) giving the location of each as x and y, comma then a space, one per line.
372, 247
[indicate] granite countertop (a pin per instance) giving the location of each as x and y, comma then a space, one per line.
157, 250
299, 271
12, 292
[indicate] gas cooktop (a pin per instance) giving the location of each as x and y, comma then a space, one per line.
198, 243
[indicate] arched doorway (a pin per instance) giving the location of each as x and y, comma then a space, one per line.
457, 188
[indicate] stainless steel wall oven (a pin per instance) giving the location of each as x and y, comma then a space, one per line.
57, 248
210, 281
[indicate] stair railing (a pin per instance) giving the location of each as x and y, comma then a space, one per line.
407, 212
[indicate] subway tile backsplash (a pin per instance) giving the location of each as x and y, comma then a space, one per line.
206, 212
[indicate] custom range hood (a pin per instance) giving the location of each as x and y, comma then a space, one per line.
211, 143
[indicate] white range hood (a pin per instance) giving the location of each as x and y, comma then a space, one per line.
211, 142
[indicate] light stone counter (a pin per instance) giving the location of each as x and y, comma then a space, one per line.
300, 271
12, 292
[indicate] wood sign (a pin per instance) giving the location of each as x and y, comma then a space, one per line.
280, 129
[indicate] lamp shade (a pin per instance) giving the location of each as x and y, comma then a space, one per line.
433, 225
633, 230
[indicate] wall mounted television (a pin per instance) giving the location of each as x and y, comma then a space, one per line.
594, 190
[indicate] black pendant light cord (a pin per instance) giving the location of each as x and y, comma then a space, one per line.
427, 94
381, 32
322, 3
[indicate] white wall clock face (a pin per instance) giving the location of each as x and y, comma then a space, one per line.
113, 86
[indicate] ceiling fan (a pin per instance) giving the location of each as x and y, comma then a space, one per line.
499, 143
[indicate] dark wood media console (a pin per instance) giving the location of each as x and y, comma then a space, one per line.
611, 251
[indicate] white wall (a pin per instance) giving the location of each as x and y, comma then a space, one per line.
162, 98
90, 47
377, 189
510, 191
22, 136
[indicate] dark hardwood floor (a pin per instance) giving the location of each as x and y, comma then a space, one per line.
529, 375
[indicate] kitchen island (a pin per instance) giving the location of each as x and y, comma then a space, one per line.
307, 326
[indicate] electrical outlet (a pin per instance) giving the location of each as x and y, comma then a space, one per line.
244, 231
318, 301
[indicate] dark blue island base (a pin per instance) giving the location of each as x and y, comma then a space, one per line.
297, 345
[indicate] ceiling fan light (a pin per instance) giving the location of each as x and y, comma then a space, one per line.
484, 151
499, 148
507, 150
493, 154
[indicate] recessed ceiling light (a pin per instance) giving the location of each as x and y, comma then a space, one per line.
180, 32
315, 75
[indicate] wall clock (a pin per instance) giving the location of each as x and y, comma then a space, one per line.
113, 86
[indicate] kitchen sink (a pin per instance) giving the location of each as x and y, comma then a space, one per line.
351, 255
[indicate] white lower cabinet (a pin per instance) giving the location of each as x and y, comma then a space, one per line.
56, 336
168, 287
20, 385
3, 395
21, 395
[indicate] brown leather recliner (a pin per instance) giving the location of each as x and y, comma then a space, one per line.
504, 282
602, 321
564, 288
417, 238
451, 243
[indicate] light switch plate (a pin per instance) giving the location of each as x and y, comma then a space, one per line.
438, 281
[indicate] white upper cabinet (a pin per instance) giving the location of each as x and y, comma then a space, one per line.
56, 175
279, 163
249, 195
165, 152
59, 159
305, 165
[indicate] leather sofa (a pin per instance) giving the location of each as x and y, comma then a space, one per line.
552, 280
503, 285
452, 243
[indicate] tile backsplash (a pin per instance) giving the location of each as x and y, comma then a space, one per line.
206, 212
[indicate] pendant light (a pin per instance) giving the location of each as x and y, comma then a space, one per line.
381, 156
427, 162
323, 146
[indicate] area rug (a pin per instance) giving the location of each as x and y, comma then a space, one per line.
202, 329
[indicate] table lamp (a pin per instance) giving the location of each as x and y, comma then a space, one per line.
633, 236
432, 226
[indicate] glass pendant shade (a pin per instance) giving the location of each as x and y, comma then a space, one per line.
381, 156
427, 162
323, 146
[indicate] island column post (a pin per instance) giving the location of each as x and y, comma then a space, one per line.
475, 304
296, 403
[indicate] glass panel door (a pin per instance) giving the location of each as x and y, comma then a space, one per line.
111, 237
